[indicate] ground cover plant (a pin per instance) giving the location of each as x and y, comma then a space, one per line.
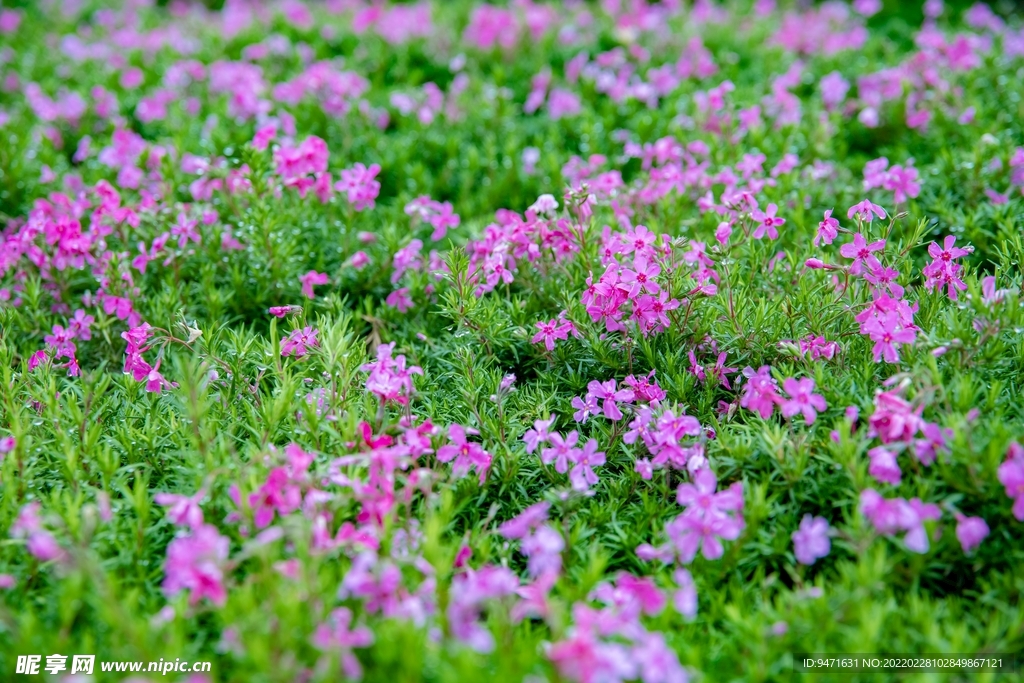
607, 341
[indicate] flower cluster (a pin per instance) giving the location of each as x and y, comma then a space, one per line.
389, 378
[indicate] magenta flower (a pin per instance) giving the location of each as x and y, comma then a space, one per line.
708, 517
828, 229
652, 312
155, 381
942, 272
934, 441
195, 563
1011, 476
833, 90
684, 599
585, 407
584, 460
562, 451
766, 222
970, 531
299, 342
811, 541
466, 454
336, 635
538, 435
400, 300
543, 549
864, 211
185, 230
902, 182
310, 279
610, 394
894, 419
887, 331
263, 136
638, 240
690, 533
183, 510
278, 494
549, 332
284, 311
470, 592
883, 465
645, 389
526, 521
389, 377
801, 399
641, 278
890, 516
44, 547
861, 252
359, 186
760, 393
700, 496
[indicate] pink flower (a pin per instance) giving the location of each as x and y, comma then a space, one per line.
942, 271
549, 332
760, 393
562, 451
970, 531
155, 381
538, 435
833, 90
1011, 476
641, 279
185, 231
359, 186
811, 541
299, 342
864, 211
638, 240
359, 260
645, 389
582, 474
862, 252
526, 521
828, 229
263, 136
400, 299
389, 377
608, 392
685, 597
802, 399
689, 533
184, 510
310, 279
766, 222
336, 635
708, 517
44, 547
894, 419
278, 494
283, 311
466, 455
470, 591
889, 516
887, 331
196, 563
883, 465
902, 182
543, 548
